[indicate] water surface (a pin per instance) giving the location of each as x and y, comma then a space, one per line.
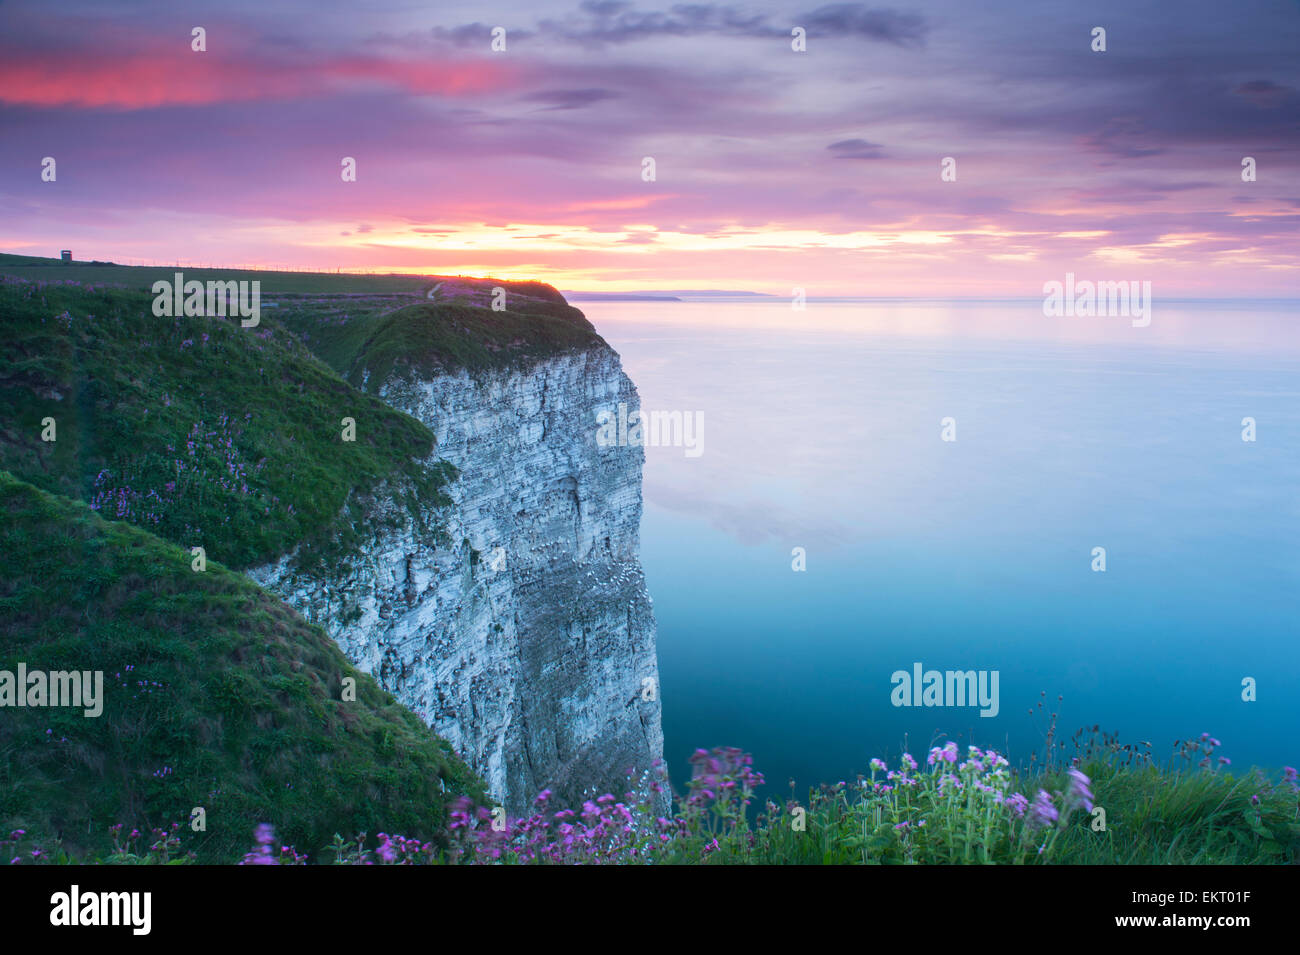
822, 431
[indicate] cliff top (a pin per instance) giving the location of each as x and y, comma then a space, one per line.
369, 327
42, 269
371, 341
201, 431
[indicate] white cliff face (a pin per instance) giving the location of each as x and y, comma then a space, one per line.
523, 634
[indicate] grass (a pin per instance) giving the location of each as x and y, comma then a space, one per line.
141, 278
370, 342
216, 695
129, 439
204, 432
1103, 808
1153, 816
276, 284
174, 433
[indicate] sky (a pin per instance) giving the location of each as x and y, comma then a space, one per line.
774, 169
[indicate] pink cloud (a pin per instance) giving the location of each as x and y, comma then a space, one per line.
173, 75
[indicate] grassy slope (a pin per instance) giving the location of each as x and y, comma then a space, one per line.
244, 703
38, 269
368, 326
369, 340
202, 431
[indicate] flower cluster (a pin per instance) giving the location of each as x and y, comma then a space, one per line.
15, 837
263, 853
720, 790
956, 810
392, 850
960, 807
606, 830
211, 457
163, 845
1202, 750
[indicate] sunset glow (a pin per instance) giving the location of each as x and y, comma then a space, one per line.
773, 169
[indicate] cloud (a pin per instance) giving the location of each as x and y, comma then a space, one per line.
618, 21
156, 74
856, 19
856, 149
478, 34
571, 99
1265, 93
1053, 141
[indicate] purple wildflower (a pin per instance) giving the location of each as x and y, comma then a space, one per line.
1042, 813
1079, 793
262, 855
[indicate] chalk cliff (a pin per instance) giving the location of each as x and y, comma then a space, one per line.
521, 630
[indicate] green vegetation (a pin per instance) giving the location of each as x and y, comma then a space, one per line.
127, 440
141, 278
369, 342
173, 433
1153, 816
216, 695
204, 432
1111, 805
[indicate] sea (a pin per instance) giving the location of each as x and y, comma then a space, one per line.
1098, 518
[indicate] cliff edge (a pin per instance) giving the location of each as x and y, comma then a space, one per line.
521, 629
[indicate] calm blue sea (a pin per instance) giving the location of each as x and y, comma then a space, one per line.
822, 431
